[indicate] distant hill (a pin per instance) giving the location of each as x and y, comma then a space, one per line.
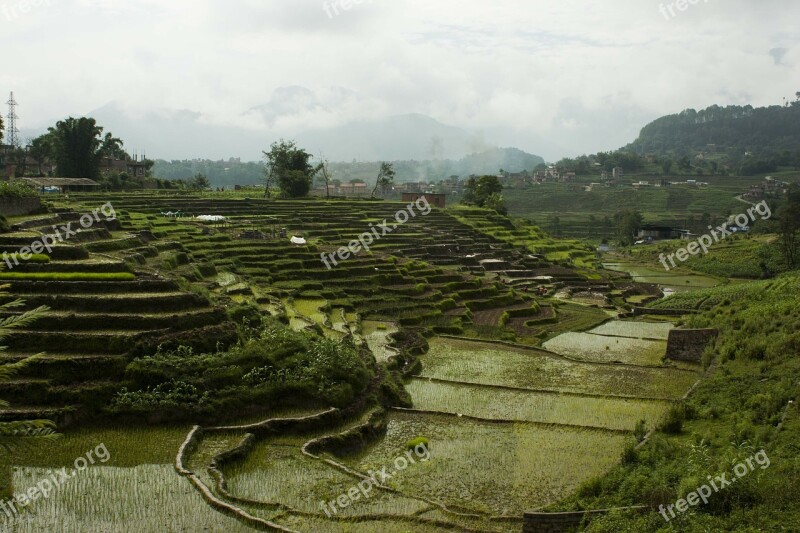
764, 131
235, 172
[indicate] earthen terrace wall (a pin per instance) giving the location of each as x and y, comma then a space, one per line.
12, 207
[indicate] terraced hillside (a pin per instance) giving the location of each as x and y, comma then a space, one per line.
101, 310
121, 286
457, 308
433, 271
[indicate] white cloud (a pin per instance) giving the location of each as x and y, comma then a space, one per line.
585, 75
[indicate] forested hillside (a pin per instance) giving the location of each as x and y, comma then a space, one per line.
766, 131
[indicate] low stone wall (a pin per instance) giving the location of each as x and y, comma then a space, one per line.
689, 344
638, 311
13, 207
565, 522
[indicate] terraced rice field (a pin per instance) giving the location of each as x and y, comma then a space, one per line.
546, 408
491, 364
513, 428
377, 335
497, 469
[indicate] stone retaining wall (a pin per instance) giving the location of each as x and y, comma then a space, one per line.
12, 207
638, 311
565, 522
689, 344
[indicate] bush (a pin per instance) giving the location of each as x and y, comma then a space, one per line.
676, 416
640, 431
413, 443
16, 189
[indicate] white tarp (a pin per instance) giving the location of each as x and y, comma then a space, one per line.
298, 240
211, 218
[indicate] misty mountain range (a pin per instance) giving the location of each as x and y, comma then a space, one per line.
328, 123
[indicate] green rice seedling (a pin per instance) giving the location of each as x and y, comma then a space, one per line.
495, 468
501, 404
491, 364
601, 349
635, 329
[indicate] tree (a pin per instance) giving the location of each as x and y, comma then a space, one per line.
629, 222
199, 183
384, 179
78, 147
40, 149
17, 433
323, 169
789, 227
496, 202
19, 158
666, 166
294, 183
289, 167
478, 190
555, 223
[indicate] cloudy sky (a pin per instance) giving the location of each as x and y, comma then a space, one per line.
561, 77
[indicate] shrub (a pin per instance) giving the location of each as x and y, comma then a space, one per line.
676, 416
413, 443
640, 431
16, 189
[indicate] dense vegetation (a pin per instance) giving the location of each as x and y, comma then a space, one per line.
271, 365
766, 132
227, 173
742, 407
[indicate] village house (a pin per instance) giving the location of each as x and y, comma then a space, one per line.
436, 200
131, 166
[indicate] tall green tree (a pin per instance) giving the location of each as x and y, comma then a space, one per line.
628, 222
289, 167
79, 146
40, 150
199, 183
323, 169
789, 227
483, 191
385, 178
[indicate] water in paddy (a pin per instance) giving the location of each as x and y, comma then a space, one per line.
543, 446
672, 281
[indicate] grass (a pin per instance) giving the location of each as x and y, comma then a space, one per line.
32, 258
744, 405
